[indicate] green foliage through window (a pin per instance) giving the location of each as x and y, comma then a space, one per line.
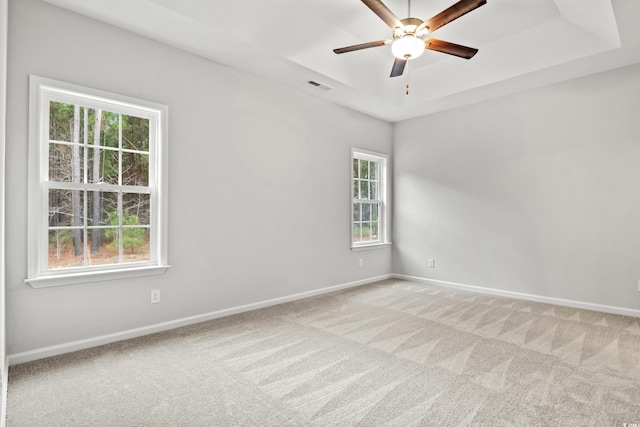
132, 238
89, 147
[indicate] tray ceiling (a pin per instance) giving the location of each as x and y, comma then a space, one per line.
522, 44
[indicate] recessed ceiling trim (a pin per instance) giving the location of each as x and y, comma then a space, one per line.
595, 16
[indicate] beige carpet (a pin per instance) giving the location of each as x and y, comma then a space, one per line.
394, 353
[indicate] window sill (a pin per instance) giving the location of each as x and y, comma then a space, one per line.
369, 247
94, 276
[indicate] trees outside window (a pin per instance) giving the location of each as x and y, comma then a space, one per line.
97, 199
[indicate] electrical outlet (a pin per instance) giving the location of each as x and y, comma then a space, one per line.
155, 296
432, 263
360, 263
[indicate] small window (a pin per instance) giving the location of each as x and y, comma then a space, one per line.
97, 201
369, 224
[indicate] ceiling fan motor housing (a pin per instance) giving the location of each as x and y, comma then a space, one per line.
409, 27
408, 43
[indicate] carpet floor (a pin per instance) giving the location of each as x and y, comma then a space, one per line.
393, 353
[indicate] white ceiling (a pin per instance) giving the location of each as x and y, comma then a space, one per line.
522, 44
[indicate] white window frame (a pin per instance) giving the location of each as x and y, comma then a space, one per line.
383, 198
42, 91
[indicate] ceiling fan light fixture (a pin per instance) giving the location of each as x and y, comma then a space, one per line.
407, 47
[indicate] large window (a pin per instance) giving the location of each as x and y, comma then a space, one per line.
369, 194
97, 185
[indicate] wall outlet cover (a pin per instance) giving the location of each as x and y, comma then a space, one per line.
155, 296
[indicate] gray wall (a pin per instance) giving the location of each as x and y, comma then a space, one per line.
258, 193
3, 111
534, 193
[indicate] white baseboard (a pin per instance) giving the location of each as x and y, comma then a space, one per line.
28, 356
529, 297
55, 350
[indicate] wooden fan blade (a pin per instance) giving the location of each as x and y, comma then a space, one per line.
383, 13
450, 48
398, 67
454, 12
362, 46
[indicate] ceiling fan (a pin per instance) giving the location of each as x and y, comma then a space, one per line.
409, 34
